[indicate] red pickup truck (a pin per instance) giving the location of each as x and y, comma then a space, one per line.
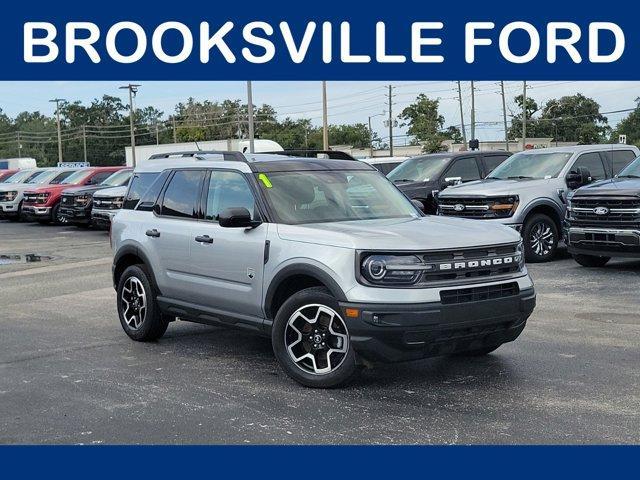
43, 204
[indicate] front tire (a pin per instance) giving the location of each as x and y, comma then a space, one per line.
591, 260
311, 341
138, 310
540, 235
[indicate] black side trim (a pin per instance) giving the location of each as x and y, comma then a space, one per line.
193, 312
301, 269
267, 248
133, 250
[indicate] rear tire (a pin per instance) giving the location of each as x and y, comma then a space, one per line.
138, 309
311, 341
591, 260
540, 236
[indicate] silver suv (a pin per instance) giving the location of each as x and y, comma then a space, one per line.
528, 191
326, 257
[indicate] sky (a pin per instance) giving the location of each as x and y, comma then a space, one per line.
349, 102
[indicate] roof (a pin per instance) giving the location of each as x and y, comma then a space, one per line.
258, 162
580, 148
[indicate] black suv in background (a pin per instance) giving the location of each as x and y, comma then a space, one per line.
421, 178
603, 219
76, 203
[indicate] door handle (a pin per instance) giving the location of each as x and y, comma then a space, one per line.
204, 239
152, 233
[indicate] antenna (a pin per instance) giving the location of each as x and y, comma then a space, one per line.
197, 146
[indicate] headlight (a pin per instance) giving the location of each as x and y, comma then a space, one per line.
393, 269
505, 207
117, 203
10, 196
519, 256
83, 199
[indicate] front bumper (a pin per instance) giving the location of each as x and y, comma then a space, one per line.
75, 214
102, 218
9, 209
36, 213
604, 242
399, 332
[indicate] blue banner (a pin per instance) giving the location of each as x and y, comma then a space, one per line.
310, 463
330, 40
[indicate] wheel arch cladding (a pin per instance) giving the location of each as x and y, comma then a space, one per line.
295, 278
127, 256
549, 209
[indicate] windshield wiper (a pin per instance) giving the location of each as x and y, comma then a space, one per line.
628, 176
403, 180
518, 177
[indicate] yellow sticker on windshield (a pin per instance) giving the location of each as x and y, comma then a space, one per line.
265, 180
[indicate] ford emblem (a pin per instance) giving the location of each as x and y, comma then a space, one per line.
601, 210
459, 207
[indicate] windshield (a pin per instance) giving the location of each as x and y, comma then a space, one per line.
419, 169
118, 179
22, 177
77, 177
632, 170
532, 165
333, 196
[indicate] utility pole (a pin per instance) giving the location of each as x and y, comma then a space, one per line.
84, 141
19, 146
371, 133
157, 133
325, 120
133, 89
524, 115
390, 120
250, 112
473, 111
504, 116
57, 102
464, 132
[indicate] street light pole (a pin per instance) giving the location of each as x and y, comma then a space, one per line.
371, 132
57, 102
250, 112
133, 89
325, 120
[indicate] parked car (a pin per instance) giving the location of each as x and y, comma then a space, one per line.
7, 174
528, 191
12, 191
603, 219
106, 203
77, 202
326, 257
384, 164
422, 178
43, 204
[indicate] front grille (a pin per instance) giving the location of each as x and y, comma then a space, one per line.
479, 208
491, 262
106, 203
477, 294
621, 212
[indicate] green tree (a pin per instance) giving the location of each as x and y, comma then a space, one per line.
629, 126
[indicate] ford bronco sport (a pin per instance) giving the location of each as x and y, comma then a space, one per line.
326, 257
528, 191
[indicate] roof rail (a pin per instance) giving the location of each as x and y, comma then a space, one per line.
226, 155
332, 154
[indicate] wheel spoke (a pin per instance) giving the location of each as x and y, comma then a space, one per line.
133, 300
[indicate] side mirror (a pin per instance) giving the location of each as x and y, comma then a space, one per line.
419, 205
237, 217
579, 178
451, 181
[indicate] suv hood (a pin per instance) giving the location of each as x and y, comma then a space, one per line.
413, 234
85, 189
613, 186
111, 192
16, 187
492, 188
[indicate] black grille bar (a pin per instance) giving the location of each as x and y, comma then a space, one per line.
477, 294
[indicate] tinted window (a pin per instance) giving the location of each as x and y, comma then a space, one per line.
138, 187
227, 190
61, 178
622, 158
100, 177
150, 196
386, 167
465, 168
593, 163
491, 162
182, 193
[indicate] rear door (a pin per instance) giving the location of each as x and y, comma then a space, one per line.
167, 233
228, 263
